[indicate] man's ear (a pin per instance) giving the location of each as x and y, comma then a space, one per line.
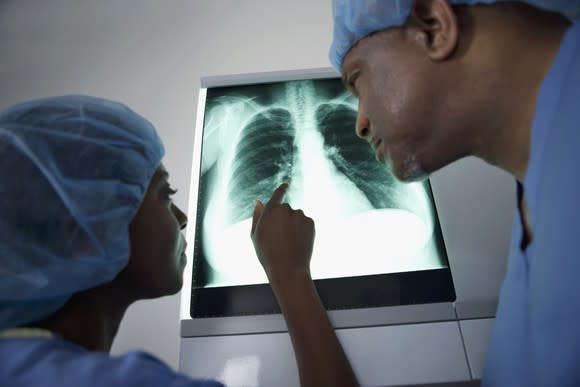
433, 24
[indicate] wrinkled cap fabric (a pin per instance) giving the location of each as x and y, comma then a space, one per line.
355, 19
73, 172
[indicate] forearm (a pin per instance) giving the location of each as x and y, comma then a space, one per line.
320, 356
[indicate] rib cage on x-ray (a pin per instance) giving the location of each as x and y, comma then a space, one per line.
302, 132
267, 148
264, 156
353, 158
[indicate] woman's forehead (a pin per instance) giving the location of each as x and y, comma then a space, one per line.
159, 176
161, 170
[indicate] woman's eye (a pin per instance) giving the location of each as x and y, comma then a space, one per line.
169, 192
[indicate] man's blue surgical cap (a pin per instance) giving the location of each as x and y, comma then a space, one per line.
73, 172
355, 19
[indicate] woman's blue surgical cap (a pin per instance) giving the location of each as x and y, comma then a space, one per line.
355, 19
73, 172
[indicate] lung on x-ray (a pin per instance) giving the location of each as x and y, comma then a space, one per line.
370, 227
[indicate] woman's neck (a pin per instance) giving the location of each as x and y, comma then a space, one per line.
90, 319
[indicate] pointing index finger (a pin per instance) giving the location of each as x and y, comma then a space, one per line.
278, 195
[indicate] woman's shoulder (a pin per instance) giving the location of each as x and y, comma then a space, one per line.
42, 361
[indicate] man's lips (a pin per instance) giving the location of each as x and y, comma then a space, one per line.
376, 144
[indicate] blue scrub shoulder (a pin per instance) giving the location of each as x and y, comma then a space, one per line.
31, 362
535, 340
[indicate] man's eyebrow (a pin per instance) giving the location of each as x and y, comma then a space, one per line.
356, 62
345, 81
348, 85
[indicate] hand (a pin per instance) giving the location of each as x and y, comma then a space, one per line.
283, 238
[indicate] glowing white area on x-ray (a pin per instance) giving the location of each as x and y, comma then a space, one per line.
352, 237
374, 242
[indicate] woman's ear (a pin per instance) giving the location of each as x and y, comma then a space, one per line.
433, 25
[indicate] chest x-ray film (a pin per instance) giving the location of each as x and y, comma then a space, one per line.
378, 241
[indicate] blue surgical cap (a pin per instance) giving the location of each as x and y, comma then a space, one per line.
73, 172
355, 19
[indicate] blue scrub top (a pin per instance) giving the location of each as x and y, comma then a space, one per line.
536, 336
31, 362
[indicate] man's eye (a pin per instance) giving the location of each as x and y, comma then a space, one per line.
352, 82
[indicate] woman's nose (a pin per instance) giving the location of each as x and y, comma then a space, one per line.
181, 217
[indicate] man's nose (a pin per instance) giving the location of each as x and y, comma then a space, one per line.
362, 125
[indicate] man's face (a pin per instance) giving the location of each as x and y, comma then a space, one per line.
401, 106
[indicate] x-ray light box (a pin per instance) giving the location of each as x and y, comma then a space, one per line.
378, 241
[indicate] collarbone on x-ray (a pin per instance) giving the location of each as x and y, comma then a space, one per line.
302, 132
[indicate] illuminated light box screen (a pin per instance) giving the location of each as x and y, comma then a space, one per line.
378, 241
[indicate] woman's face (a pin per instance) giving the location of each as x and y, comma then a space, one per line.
157, 259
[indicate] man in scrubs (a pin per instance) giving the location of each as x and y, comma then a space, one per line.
438, 80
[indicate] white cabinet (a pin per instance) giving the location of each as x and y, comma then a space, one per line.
381, 356
476, 335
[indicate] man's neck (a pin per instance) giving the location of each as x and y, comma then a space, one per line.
521, 64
